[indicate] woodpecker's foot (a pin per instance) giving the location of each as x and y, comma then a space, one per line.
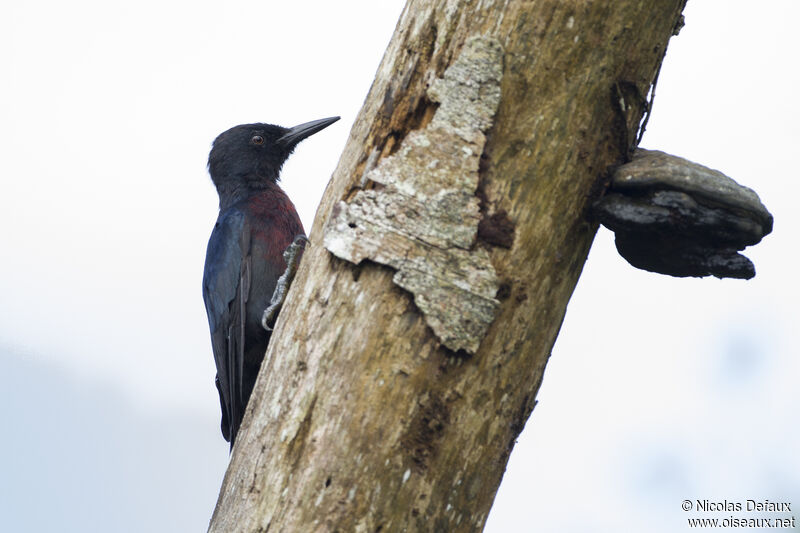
292, 256
679, 218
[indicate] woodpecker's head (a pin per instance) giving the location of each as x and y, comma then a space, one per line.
253, 154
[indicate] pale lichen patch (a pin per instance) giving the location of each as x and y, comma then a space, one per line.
423, 222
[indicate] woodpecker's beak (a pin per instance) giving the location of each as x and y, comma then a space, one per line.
301, 131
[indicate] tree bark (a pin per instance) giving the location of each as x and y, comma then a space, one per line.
385, 402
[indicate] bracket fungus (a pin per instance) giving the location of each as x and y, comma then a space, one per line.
676, 217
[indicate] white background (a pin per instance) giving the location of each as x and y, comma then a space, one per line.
658, 389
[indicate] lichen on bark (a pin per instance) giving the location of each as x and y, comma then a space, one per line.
423, 222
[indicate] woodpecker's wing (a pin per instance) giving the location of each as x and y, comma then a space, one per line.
226, 284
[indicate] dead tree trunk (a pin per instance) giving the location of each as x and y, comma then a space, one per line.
408, 356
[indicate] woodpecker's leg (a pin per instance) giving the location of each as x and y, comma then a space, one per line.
292, 256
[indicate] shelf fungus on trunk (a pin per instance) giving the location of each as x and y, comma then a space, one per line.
675, 217
424, 219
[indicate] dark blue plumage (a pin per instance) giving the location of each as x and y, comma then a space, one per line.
244, 259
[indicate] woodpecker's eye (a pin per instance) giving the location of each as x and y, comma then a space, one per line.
257, 139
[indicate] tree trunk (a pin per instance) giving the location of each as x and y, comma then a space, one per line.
393, 389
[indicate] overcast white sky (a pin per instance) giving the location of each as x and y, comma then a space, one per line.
658, 390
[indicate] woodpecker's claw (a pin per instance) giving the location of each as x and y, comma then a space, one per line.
292, 256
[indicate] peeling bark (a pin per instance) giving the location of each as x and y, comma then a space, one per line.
424, 222
362, 418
